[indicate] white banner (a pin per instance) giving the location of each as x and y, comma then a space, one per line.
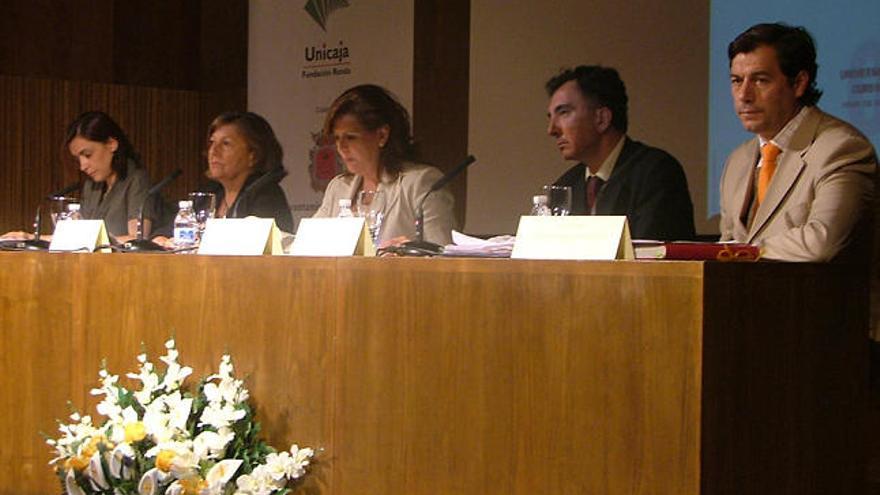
302, 55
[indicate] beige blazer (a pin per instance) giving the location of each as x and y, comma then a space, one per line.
823, 187
402, 195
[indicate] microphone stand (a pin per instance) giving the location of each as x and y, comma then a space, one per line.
37, 244
139, 243
274, 175
419, 246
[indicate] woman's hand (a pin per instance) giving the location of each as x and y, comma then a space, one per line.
397, 241
165, 242
122, 239
391, 243
16, 235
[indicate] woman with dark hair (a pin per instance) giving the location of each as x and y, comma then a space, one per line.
241, 148
117, 183
371, 130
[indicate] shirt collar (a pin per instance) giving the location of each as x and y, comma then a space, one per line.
607, 167
783, 138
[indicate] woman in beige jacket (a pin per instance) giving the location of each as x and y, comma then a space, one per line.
371, 130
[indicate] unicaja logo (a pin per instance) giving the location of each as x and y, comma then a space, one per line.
320, 10
322, 53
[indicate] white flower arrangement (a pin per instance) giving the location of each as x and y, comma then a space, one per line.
161, 439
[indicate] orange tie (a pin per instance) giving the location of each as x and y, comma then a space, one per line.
769, 152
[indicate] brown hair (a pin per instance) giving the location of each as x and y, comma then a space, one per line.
374, 106
258, 135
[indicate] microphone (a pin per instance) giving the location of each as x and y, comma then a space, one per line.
164, 182
141, 244
36, 243
419, 246
64, 191
446, 179
274, 175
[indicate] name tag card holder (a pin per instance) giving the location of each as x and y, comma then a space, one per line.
333, 237
241, 236
80, 236
573, 238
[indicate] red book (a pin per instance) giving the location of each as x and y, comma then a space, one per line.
696, 251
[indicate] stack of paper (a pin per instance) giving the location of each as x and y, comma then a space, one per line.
465, 245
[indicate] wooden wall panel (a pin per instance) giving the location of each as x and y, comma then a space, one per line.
223, 54
191, 45
440, 87
156, 43
64, 39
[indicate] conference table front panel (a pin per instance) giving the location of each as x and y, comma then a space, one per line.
424, 376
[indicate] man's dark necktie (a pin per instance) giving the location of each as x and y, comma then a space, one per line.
594, 185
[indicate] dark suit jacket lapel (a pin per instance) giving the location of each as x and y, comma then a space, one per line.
618, 183
787, 172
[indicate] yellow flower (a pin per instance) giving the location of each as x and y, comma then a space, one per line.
78, 463
89, 450
193, 486
135, 432
164, 460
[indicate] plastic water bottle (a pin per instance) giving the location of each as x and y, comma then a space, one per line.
539, 206
345, 209
186, 226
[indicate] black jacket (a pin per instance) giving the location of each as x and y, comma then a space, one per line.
268, 201
647, 185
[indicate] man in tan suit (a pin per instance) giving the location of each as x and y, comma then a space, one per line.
802, 188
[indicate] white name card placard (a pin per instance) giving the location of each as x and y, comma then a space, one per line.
250, 236
573, 238
333, 237
79, 235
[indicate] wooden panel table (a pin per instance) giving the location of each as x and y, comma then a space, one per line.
469, 376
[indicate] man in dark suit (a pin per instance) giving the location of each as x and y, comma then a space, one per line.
615, 175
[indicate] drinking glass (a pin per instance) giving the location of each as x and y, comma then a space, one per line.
371, 206
57, 206
203, 206
558, 199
